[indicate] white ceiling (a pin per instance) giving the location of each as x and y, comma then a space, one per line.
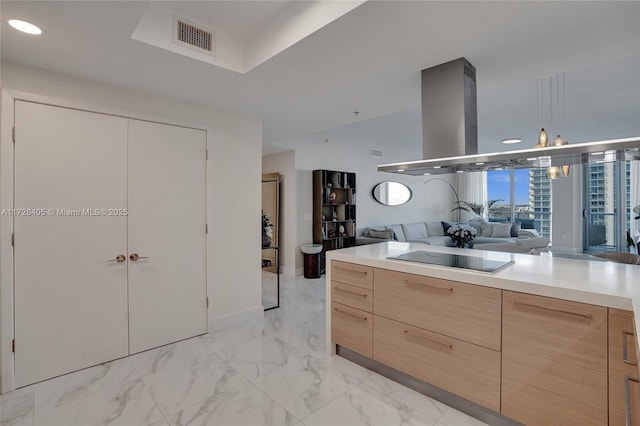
369, 60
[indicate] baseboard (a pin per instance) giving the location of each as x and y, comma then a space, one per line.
242, 317
439, 394
287, 270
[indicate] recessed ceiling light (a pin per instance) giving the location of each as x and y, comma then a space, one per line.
511, 141
532, 159
479, 164
25, 27
437, 167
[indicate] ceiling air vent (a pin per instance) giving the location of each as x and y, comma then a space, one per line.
193, 36
376, 153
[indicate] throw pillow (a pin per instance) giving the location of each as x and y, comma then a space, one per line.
515, 229
487, 229
434, 229
398, 235
502, 230
445, 227
387, 234
414, 231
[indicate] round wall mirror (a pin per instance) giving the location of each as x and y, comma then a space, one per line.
392, 193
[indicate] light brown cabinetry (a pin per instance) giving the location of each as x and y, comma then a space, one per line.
350, 295
352, 328
443, 332
554, 361
352, 307
467, 312
465, 369
353, 274
624, 389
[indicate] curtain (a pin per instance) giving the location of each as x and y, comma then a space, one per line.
472, 187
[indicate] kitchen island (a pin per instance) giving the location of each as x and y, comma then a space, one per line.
537, 342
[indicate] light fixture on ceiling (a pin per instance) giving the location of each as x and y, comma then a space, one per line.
25, 27
553, 172
510, 141
542, 139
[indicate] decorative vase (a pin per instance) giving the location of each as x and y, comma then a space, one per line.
266, 241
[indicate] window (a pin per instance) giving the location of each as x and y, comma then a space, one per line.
607, 191
520, 195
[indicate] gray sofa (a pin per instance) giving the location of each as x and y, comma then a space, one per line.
433, 233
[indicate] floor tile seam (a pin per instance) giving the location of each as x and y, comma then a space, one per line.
93, 395
182, 364
325, 404
164, 416
170, 414
199, 402
33, 410
106, 388
400, 402
275, 400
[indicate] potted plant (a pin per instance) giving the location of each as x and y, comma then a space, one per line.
267, 230
474, 208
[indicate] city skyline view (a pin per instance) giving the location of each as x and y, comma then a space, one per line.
498, 186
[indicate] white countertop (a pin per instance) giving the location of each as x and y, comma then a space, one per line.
614, 285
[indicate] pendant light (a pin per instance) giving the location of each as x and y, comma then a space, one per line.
553, 172
566, 169
542, 139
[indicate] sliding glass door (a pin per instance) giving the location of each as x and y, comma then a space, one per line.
607, 216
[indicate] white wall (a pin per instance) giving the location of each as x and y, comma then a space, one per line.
234, 172
566, 212
430, 202
284, 163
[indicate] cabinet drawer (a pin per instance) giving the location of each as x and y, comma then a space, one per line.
468, 370
633, 402
467, 312
352, 328
350, 273
356, 297
623, 362
554, 361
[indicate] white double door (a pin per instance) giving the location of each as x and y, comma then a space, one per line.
92, 189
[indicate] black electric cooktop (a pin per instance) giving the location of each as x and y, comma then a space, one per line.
454, 261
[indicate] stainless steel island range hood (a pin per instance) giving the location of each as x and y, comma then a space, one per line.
450, 133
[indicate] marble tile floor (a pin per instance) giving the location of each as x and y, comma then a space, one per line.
272, 372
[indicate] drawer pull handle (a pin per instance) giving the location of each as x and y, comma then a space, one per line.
625, 349
352, 314
350, 291
554, 310
448, 290
627, 399
350, 270
446, 345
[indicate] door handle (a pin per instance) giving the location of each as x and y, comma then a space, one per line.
135, 257
119, 258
